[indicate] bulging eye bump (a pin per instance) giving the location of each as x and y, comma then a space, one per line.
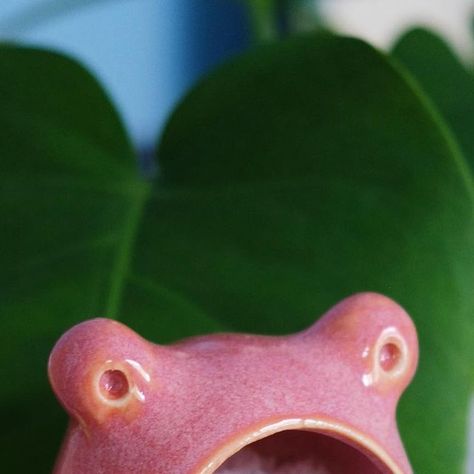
388, 360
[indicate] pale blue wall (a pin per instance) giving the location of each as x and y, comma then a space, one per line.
146, 52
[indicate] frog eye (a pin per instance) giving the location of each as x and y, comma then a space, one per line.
389, 361
116, 384
113, 385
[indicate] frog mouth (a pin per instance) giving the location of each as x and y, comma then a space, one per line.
302, 446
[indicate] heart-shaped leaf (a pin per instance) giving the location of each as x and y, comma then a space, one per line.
443, 76
303, 172
322, 172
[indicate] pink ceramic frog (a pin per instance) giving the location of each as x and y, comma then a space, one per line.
320, 401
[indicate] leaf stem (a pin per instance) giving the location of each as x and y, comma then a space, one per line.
274, 19
303, 15
263, 15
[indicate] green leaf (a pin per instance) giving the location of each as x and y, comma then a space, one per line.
305, 171
68, 183
446, 80
70, 202
313, 169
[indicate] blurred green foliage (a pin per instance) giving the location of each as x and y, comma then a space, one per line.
273, 19
446, 80
302, 172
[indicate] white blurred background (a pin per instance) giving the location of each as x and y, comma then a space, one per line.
382, 21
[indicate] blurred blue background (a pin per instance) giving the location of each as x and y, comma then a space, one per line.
146, 53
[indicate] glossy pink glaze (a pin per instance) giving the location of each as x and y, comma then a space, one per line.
187, 407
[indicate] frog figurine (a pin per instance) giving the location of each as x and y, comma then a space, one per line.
320, 401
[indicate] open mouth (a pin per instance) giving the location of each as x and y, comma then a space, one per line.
293, 447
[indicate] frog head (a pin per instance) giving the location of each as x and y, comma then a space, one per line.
320, 401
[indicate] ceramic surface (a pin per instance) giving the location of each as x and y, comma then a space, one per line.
325, 396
